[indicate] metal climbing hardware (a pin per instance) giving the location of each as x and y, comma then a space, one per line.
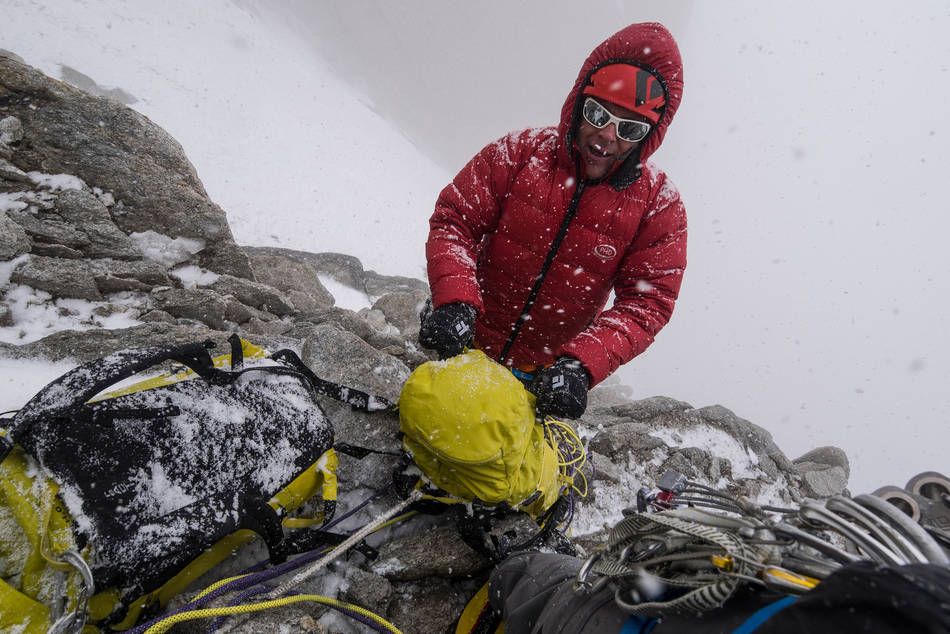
702, 544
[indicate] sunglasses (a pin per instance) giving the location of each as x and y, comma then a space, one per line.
627, 129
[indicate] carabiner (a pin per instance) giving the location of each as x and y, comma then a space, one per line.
581, 584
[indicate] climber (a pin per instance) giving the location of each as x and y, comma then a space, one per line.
529, 239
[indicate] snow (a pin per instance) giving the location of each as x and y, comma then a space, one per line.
6, 268
717, 442
16, 201
192, 276
56, 182
612, 499
35, 314
154, 490
165, 250
11, 201
346, 296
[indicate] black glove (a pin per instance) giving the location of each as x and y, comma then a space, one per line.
448, 329
561, 389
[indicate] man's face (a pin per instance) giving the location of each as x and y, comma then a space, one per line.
600, 148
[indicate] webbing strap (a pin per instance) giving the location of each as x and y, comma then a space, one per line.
68, 394
237, 352
48, 501
65, 396
353, 397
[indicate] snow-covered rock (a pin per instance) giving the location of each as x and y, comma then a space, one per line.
112, 147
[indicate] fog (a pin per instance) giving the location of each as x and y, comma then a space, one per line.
810, 149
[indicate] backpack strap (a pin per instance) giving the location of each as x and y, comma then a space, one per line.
475, 526
307, 540
237, 353
67, 394
353, 397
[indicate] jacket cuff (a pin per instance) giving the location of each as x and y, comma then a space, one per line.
459, 290
595, 361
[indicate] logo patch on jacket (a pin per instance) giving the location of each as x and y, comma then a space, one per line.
605, 251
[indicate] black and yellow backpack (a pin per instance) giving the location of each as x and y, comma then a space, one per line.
111, 504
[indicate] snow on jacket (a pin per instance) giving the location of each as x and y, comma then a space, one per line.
495, 224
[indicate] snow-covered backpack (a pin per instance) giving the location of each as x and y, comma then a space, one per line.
118, 501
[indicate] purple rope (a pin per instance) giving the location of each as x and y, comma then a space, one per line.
263, 574
570, 512
568, 452
219, 621
237, 584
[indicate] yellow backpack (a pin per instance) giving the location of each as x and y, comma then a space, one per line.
470, 426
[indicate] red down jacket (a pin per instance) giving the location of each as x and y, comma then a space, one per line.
495, 224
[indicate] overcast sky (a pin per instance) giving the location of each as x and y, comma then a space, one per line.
811, 151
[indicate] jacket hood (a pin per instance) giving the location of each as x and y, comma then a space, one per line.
648, 45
